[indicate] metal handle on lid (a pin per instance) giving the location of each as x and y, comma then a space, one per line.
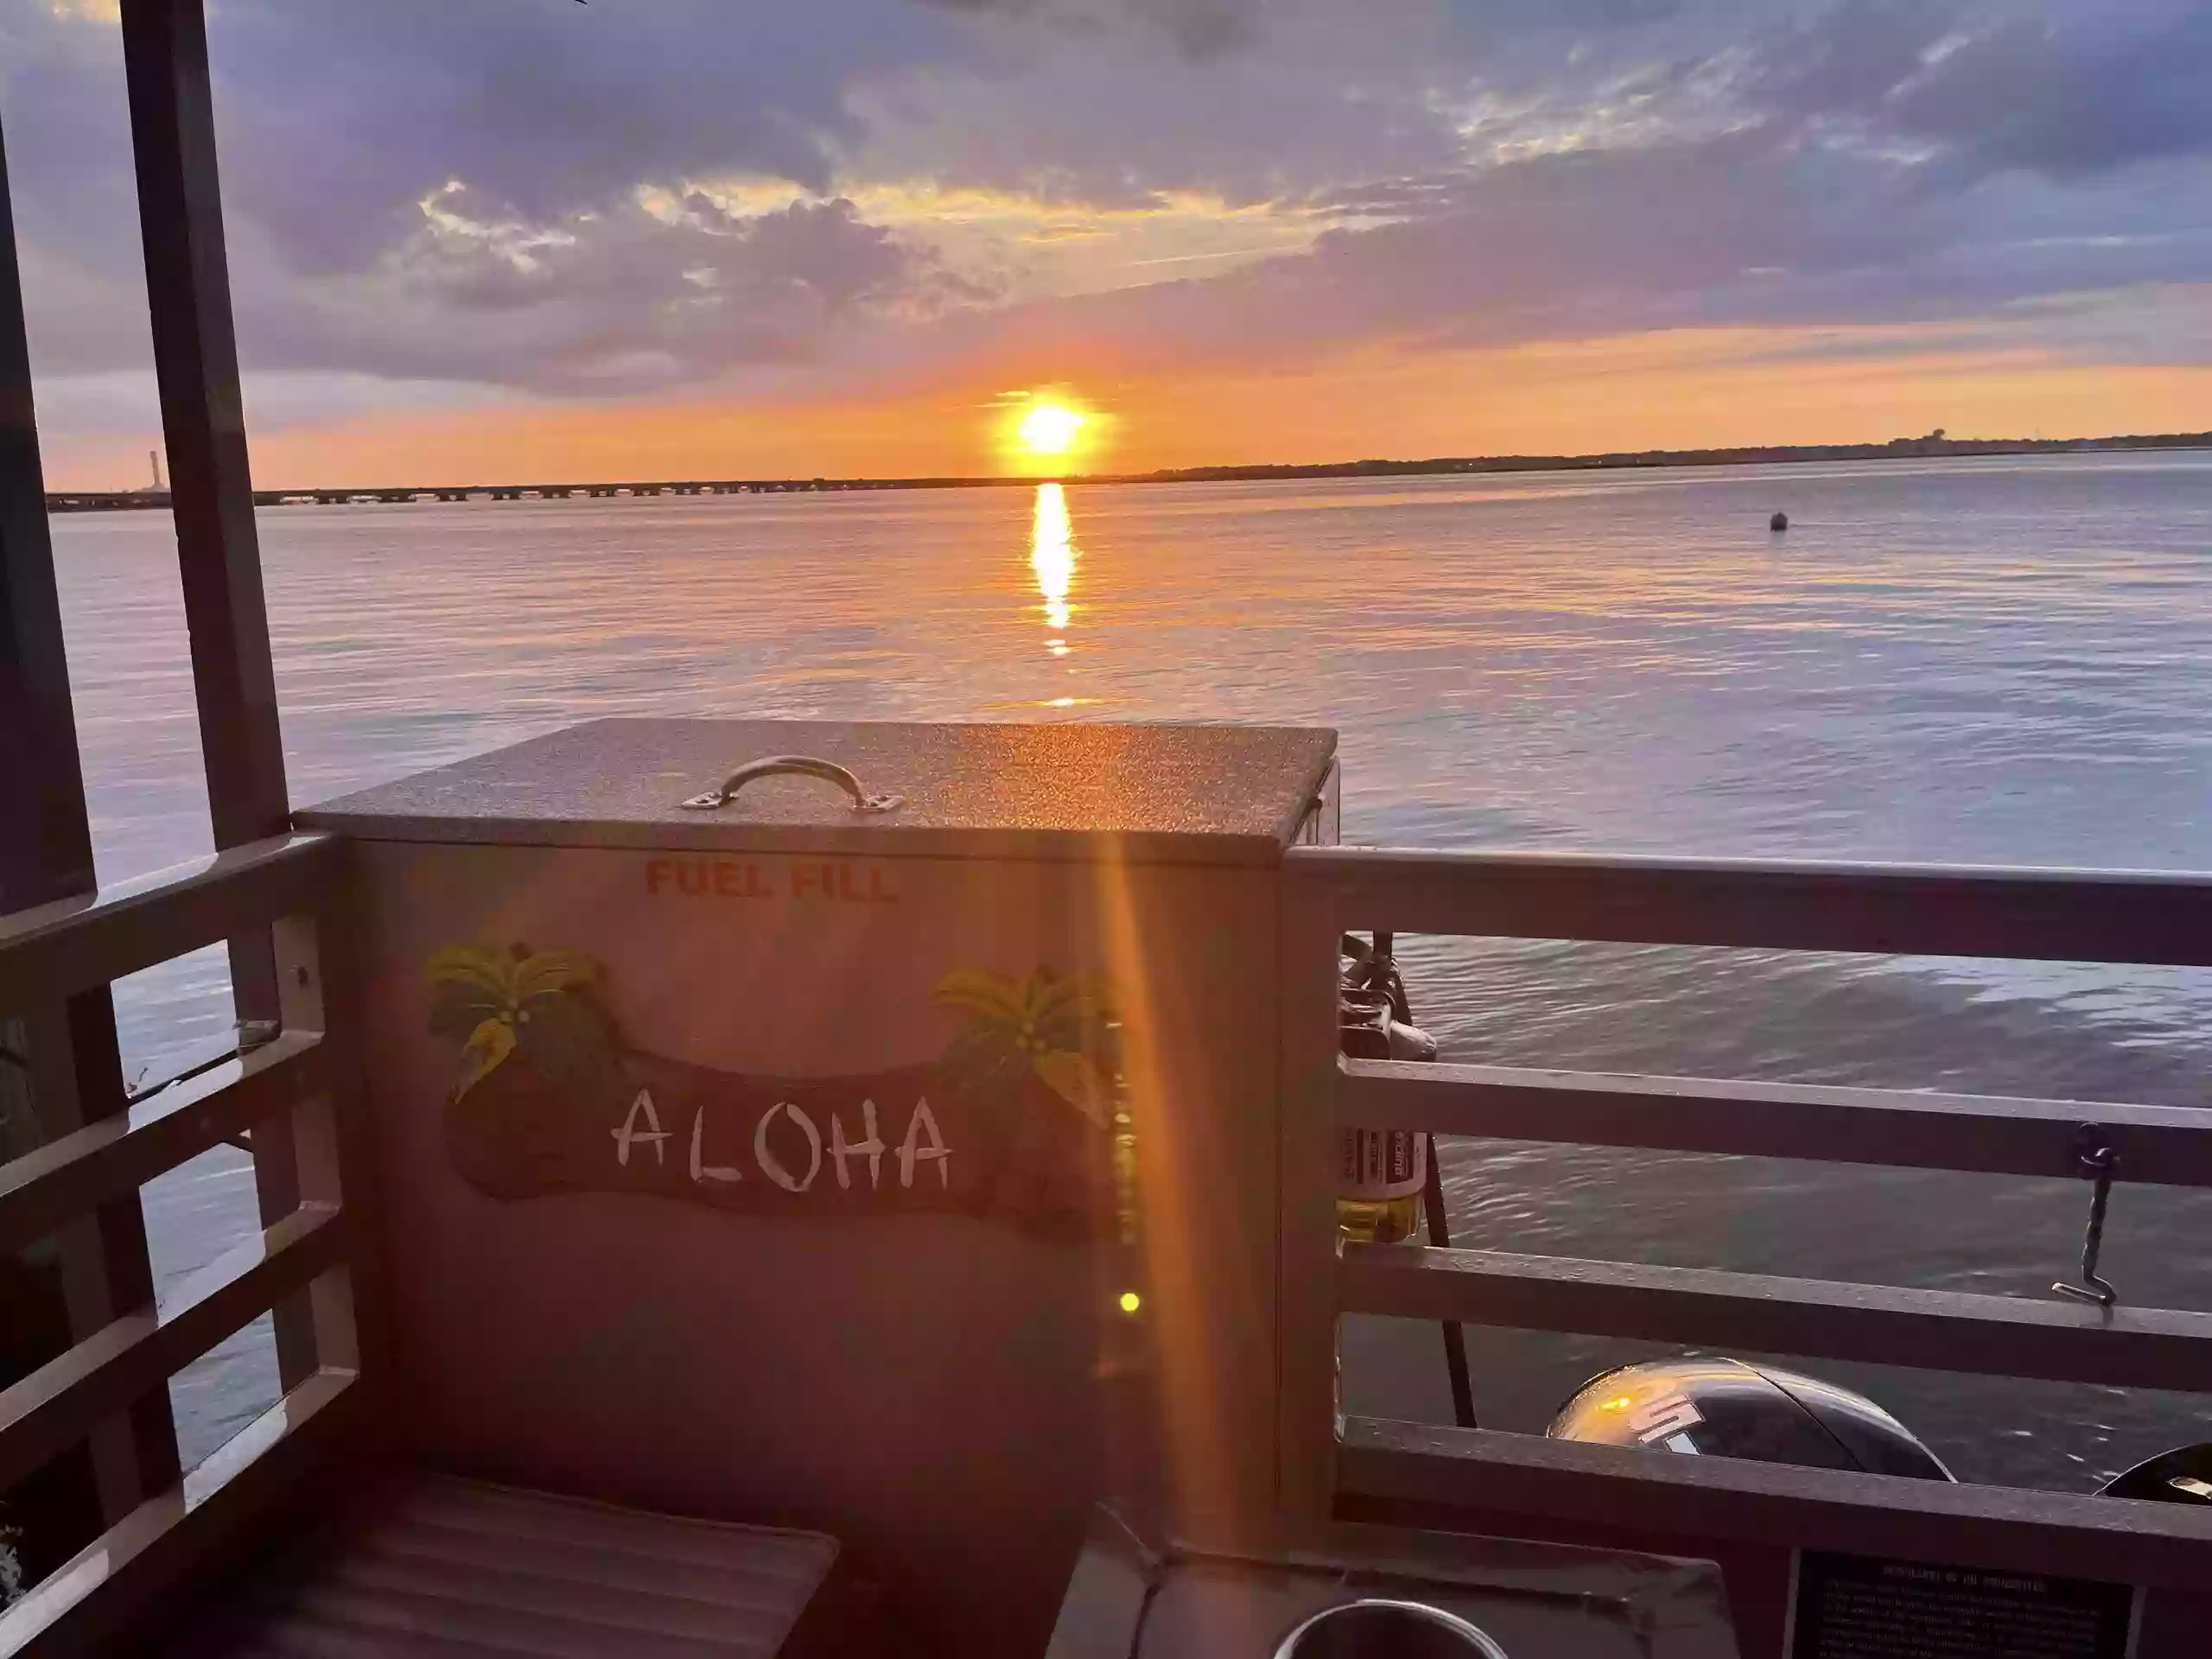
801, 766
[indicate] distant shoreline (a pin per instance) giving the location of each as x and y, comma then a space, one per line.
1766, 455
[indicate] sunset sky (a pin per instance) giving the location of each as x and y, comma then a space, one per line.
482, 239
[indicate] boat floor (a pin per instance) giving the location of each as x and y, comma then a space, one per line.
438, 1568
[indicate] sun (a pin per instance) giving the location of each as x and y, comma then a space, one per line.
1046, 431
1050, 428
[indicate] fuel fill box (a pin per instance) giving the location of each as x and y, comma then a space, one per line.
801, 1122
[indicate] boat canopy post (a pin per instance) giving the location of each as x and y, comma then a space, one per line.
69, 1074
211, 495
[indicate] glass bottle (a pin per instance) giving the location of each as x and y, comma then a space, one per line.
1380, 1172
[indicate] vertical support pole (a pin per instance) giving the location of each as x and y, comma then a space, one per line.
46, 849
46, 853
332, 1167
203, 421
337, 1157
210, 494
1455, 1334
1307, 1406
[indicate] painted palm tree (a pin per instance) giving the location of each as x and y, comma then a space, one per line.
1062, 1031
1065, 1032
496, 1003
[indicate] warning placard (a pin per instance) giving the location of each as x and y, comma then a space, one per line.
1854, 1607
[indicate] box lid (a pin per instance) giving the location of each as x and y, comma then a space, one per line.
1154, 793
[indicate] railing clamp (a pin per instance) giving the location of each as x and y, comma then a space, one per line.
2097, 1157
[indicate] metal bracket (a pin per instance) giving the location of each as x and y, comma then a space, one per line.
800, 765
2095, 1154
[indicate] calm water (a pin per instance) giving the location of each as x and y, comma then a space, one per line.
1990, 661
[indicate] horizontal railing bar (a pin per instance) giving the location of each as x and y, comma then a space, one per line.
60, 1403
1936, 1330
167, 1540
74, 944
56, 1183
1994, 1527
2162, 1145
2146, 916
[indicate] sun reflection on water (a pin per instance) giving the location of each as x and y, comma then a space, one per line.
1052, 555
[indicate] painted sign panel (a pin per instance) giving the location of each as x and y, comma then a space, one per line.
1856, 1607
1022, 1117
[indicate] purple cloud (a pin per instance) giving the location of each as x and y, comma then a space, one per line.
532, 196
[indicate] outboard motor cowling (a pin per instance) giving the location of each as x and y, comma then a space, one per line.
2181, 1476
1719, 1407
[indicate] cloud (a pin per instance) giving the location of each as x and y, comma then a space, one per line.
2069, 100
670, 194
338, 117
1751, 226
1199, 27
640, 294
2065, 90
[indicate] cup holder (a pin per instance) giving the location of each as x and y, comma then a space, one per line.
1387, 1630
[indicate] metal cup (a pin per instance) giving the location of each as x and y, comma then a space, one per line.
1377, 1629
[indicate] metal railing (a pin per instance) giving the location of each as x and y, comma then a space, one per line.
162, 1523
2034, 915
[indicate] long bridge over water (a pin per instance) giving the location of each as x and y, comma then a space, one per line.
1936, 445
123, 501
